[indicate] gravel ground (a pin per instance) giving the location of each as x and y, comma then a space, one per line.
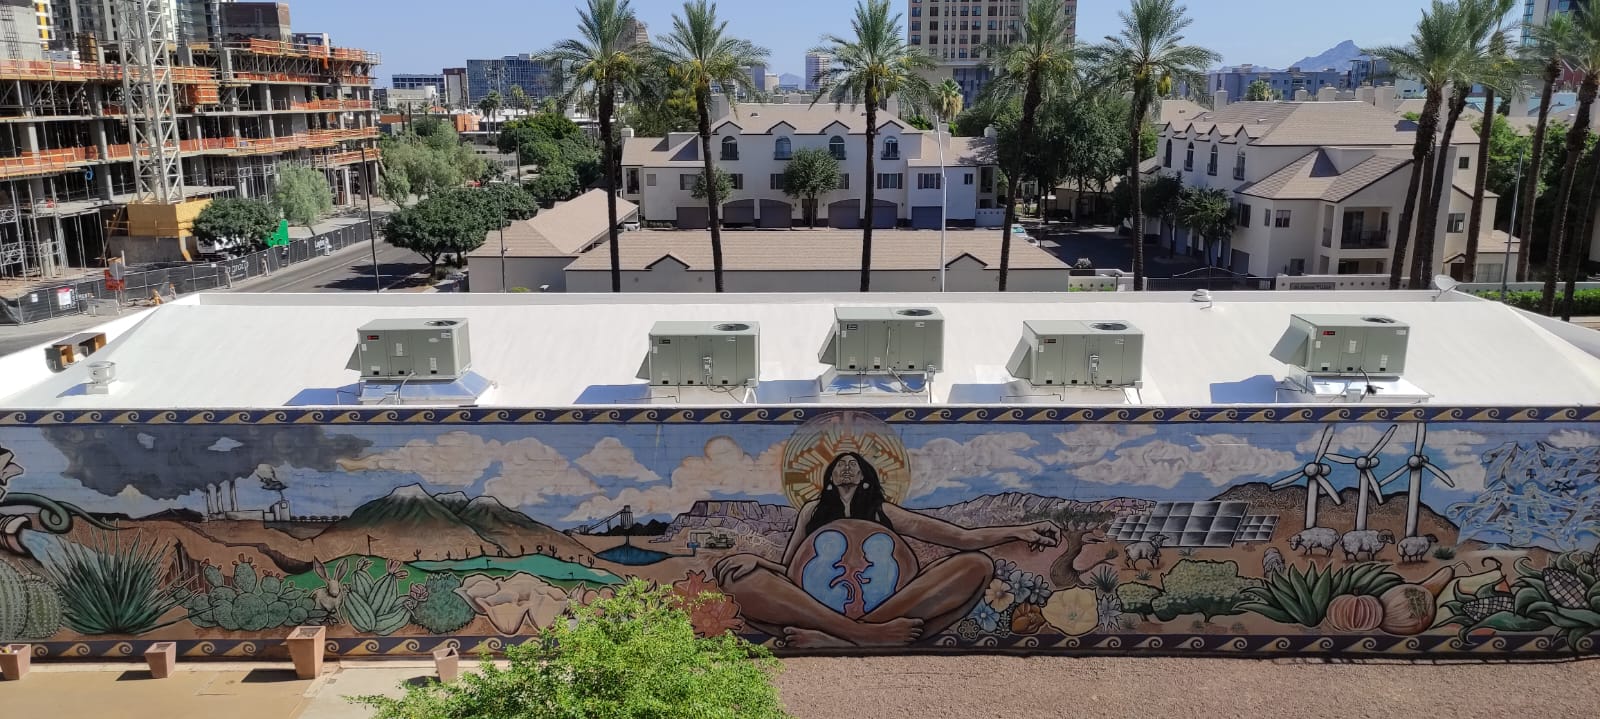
994, 687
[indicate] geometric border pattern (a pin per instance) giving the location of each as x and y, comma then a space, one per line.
796, 415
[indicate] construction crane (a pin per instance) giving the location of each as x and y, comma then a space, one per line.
623, 517
144, 39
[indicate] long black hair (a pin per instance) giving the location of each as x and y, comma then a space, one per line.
866, 504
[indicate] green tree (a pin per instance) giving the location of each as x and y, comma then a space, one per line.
550, 141
1146, 58
1495, 71
635, 656
947, 101
661, 105
512, 201
604, 62
239, 218
1551, 44
1159, 198
811, 173
1259, 91
1566, 253
450, 223
1092, 141
1207, 212
723, 189
490, 105
554, 184
868, 69
702, 54
519, 98
302, 194
1040, 60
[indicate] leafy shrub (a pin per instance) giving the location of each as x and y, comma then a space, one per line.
1444, 553
1584, 302
632, 656
375, 606
250, 601
1137, 597
1201, 586
116, 587
436, 606
1295, 597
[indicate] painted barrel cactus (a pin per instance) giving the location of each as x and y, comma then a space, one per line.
29, 606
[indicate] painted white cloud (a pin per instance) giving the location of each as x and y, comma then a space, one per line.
1572, 439
944, 463
225, 444
1092, 442
530, 470
611, 458
1220, 458
722, 468
145, 440
1455, 451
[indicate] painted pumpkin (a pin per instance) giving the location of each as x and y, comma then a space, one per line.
1073, 611
1407, 609
1354, 613
852, 566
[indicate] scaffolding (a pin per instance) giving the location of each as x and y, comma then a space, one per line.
152, 105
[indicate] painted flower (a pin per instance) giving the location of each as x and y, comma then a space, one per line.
713, 617
1004, 567
693, 585
1030, 588
988, 617
999, 595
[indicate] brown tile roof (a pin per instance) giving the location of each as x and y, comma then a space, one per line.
969, 151
1310, 124
561, 231
1314, 177
806, 119
748, 250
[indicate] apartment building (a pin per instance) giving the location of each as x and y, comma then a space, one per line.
816, 62
241, 108
1318, 188
754, 142
955, 33
414, 81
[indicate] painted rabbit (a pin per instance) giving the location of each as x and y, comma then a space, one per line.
331, 595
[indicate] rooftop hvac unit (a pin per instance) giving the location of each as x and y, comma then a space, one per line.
717, 354
412, 349
1106, 353
885, 340
1344, 345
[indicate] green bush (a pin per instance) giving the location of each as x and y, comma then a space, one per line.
1137, 598
1444, 553
436, 606
250, 601
1585, 303
1201, 586
634, 656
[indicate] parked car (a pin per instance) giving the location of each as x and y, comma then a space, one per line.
1020, 232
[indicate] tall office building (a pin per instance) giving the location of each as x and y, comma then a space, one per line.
500, 75
955, 32
639, 31
414, 81
816, 62
1535, 12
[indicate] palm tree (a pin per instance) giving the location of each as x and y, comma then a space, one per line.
1432, 59
490, 105
1584, 58
700, 54
603, 62
1552, 42
948, 101
1496, 70
1039, 61
868, 70
1145, 58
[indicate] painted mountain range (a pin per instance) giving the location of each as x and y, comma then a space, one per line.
411, 517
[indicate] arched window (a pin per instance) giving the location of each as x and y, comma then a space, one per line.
782, 149
1188, 159
1211, 165
891, 149
730, 148
836, 146
1167, 161
1238, 166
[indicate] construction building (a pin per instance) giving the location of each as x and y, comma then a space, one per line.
114, 147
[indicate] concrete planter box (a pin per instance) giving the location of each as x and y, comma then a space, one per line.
161, 657
306, 648
447, 663
15, 661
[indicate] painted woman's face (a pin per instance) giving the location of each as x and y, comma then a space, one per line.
847, 473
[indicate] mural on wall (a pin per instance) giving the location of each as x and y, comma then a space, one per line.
840, 529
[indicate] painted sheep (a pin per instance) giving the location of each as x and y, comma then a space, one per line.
1415, 549
1272, 561
1365, 541
1150, 550
1313, 538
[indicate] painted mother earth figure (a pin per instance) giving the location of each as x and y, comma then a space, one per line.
848, 578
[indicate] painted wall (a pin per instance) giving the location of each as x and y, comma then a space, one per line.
1039, 530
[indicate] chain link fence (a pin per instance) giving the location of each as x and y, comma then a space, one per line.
144, 284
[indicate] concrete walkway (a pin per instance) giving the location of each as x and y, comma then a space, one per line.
995, 687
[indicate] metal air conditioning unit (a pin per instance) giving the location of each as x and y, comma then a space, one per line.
716, 354
1371, 345
885, 340
412, 349
1104, 353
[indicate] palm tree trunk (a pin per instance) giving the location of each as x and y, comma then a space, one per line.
702, 98
1576, 253
1030, 107
1475, 219
1135, 124
1530, 182
871, 180
1428, 226
1420, 150
608, 147
1575, 141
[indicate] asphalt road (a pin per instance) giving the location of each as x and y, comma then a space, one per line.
349, 270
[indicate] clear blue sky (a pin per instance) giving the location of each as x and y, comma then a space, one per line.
426, 35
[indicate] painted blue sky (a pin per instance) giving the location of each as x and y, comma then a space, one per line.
424, 36
563, 475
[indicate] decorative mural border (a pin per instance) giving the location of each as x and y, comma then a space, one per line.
798, 415
1434, 646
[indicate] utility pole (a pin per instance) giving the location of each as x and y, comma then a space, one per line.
372, 230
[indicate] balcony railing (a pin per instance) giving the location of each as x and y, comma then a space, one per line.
1364, 240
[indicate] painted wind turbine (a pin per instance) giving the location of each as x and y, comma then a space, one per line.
1416, 464
1366, 464
1315, 473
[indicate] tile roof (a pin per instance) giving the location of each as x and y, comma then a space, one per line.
747, 250
561, 231
806, 119
1310, 124
969, 151
1315, 177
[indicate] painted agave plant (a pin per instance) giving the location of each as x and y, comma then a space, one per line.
1564, 597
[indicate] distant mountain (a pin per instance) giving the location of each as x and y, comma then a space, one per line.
453, 501
411, 517
1289, 504
791, 79
410, 506
1337, 57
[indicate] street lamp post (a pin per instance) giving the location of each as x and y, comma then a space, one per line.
1516, 195
943, 131
372, 231
503, 287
